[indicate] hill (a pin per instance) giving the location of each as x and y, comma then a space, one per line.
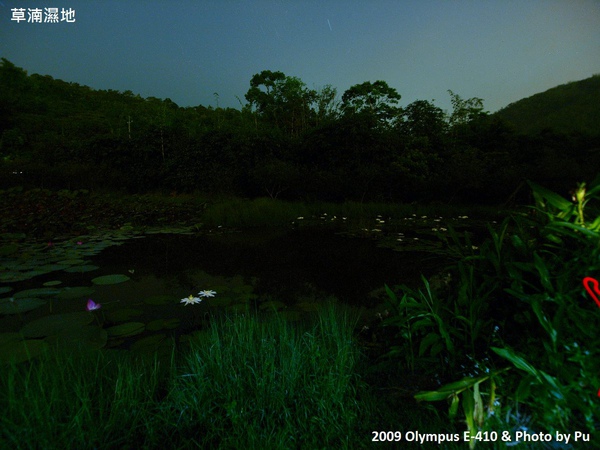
571, 107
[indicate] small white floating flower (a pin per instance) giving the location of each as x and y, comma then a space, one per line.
191, 300
300, 218
207, 293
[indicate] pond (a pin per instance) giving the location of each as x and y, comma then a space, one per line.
140, 281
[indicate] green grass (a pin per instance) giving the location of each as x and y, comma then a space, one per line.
245, 382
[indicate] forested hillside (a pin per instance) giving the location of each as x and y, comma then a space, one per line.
286, 141
569, 108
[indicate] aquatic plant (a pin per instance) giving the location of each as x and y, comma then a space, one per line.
91, 305
191, 300
525, 278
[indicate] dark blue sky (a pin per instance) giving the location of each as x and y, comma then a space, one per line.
500, 50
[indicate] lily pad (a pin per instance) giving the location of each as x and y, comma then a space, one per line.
19, 305
52, 283
126, 329
39, 292
5, 289
47, 268
162, 324
90, 336
71, 262
12, 276
21, 351
121, 315
110, 279
158, 300
82, 268
56, 324
148, 344
76, 292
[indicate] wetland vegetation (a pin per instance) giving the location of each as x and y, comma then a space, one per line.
296, 274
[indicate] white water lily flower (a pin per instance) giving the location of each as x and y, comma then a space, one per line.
207, 293
191, 300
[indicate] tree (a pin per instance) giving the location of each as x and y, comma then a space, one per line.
423, 120
464, 111
283, 101
326, 104
377, 100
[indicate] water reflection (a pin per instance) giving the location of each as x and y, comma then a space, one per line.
285, 265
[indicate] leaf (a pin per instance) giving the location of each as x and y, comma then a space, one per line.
433, 396
110, 279
9, 249
158, 300
428, 341
126, 329
90, 336
478, 415
81, 269
121, 315
21, 351
39, 292
76, 292
468, 408
537, 309
518, 361
391, 295
19, 305
454, 406
553, 199
540, 265
161, 324
56, 323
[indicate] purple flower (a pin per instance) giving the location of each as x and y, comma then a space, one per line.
92, 305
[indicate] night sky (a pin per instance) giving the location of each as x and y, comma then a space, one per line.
500, 51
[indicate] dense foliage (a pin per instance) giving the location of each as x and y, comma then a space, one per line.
568, 108
288, 142
514, 322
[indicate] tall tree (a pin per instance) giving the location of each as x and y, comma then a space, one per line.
377, 100
283, 101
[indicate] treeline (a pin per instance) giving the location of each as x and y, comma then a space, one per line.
571, 107
286, 141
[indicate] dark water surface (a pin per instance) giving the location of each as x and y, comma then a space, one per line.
284, 263
290, 271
